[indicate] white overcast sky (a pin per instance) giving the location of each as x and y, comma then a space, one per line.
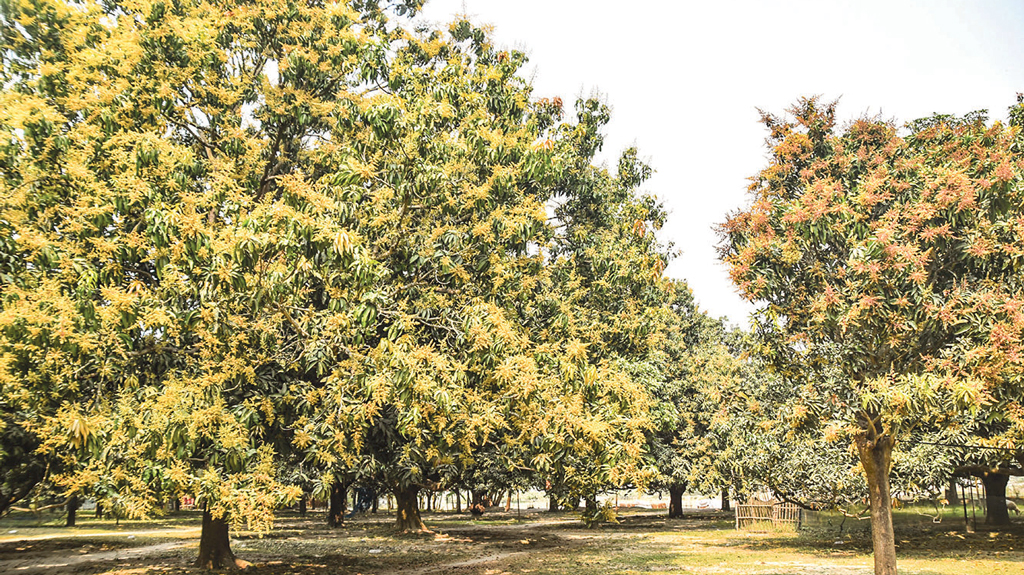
684, 80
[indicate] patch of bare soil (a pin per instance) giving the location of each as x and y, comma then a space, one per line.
31, 559
303, 547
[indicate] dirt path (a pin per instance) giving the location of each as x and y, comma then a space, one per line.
192, 531
55, 564
491, 558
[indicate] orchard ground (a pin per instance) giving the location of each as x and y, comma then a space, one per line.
702, 542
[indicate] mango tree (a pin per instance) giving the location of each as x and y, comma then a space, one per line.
690, 442
174, 193
900, 255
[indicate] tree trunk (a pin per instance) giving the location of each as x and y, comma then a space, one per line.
675, 501
336, 509
876, 458
215, 547
951, 495
552, 503
590, 505
99, 510
995, 498
177, 504
725, 499
302, 505
376, 498
72, 505
508, 502
407, 519
458, 501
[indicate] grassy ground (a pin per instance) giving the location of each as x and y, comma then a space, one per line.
539, 544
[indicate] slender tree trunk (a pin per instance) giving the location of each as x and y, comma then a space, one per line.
177, 504
408, 517
302, 505
675, 501
375, 501
876, 458
725, 499
215, 547
552, 503
508, 502
995, 498
72, 507
99, 510
951, 495
336, 507
458, 501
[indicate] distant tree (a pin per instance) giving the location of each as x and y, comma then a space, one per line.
689, 443
900, 255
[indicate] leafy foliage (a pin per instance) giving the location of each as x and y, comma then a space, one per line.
241, 235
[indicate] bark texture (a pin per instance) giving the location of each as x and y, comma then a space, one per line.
336, 508
876, 457
215, 547
675, 501
951, 495
73, 506
725, 499
407, 519
996, 512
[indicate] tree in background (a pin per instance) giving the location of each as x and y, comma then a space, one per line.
597, 321
900, 255
690, 442
454, 180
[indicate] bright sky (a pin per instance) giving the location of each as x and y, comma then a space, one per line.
684, 80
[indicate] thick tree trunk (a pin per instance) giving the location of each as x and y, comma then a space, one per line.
951, 495
73, 505
725, 499
408, 517
552, 503
215, 547
302, 505
675, 501
336, 508
876, 458
99, 510
176, 505
995, 498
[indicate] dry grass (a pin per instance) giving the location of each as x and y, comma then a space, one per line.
544, 544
